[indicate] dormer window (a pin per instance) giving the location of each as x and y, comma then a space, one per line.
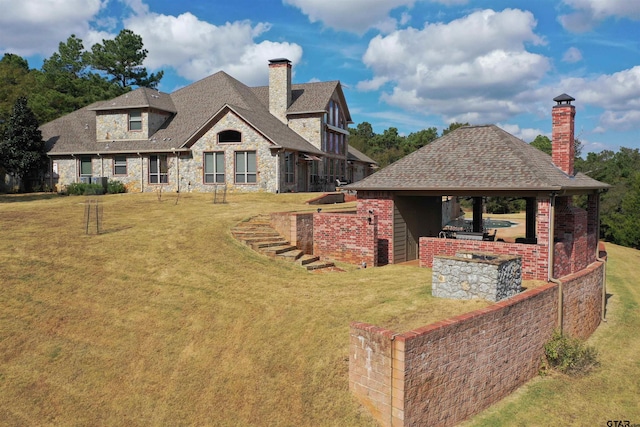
135, 120
229, 136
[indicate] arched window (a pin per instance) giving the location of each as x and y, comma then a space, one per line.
227, 136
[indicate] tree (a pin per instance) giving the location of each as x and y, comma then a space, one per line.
542, 143
417, 140
453, 126
67, 84
22, 150
122, 58
16, 80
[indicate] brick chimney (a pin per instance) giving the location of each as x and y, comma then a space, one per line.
562, 139
279, 87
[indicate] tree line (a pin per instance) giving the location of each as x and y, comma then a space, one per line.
68, 80
74, 77
620, 205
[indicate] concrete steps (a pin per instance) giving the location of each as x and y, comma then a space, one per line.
261, 237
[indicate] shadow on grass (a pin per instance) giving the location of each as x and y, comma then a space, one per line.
26, 197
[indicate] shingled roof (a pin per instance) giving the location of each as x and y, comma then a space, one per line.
356, 155
195, 107
308, 97
139, 98
473, 159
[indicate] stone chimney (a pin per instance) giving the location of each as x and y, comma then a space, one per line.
279, 87
562, 139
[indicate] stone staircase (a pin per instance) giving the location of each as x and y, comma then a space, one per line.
258, 234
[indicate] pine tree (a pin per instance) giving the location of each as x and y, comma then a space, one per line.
22, 150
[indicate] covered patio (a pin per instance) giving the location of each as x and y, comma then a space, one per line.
404, 199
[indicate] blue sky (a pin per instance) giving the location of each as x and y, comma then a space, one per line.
409, 64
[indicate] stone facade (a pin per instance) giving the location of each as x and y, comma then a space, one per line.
112, 125
470, 275
284, 161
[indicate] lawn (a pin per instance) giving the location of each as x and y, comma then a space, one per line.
165, 319
610, 393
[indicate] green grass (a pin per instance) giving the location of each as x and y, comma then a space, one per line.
612, 391
165, 319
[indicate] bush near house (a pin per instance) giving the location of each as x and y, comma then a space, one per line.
82, 189
115, 187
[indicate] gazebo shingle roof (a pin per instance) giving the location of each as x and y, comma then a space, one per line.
476, 158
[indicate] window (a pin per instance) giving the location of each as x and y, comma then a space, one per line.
246, 167
135, 120
120, 165
289, 166
331, 171
158, 169
214, 168
227, 136
315, 178
85, 166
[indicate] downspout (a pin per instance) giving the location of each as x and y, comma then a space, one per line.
604, 265
278, 158
550, 277
50, 173
75, 167
177, 170
141, 173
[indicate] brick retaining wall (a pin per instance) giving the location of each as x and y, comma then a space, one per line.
443, 373
345, 237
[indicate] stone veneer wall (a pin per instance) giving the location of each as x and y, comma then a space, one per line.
443, 373
476, 275
345, 237
534, 257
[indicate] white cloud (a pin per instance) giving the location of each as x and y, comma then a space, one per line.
373, 84
617, 94
587, 13
468, 70
525, 134
196, 48
29, 27
572, 55
351, 15
358, 16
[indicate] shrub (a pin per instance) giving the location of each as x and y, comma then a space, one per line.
570, 355
80, 189
115, 187
93, 189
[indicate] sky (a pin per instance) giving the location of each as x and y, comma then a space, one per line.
408, 64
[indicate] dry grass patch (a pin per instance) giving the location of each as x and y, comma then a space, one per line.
165, 319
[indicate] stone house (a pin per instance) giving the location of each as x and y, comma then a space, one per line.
399, 210
214, 133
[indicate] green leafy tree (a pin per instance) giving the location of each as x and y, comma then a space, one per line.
121, 59
453, 126
417, 140
619, 212
67, 83
22, 150
623, 224
16, 80
542, 143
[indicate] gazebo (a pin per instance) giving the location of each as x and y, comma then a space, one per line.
403, 201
